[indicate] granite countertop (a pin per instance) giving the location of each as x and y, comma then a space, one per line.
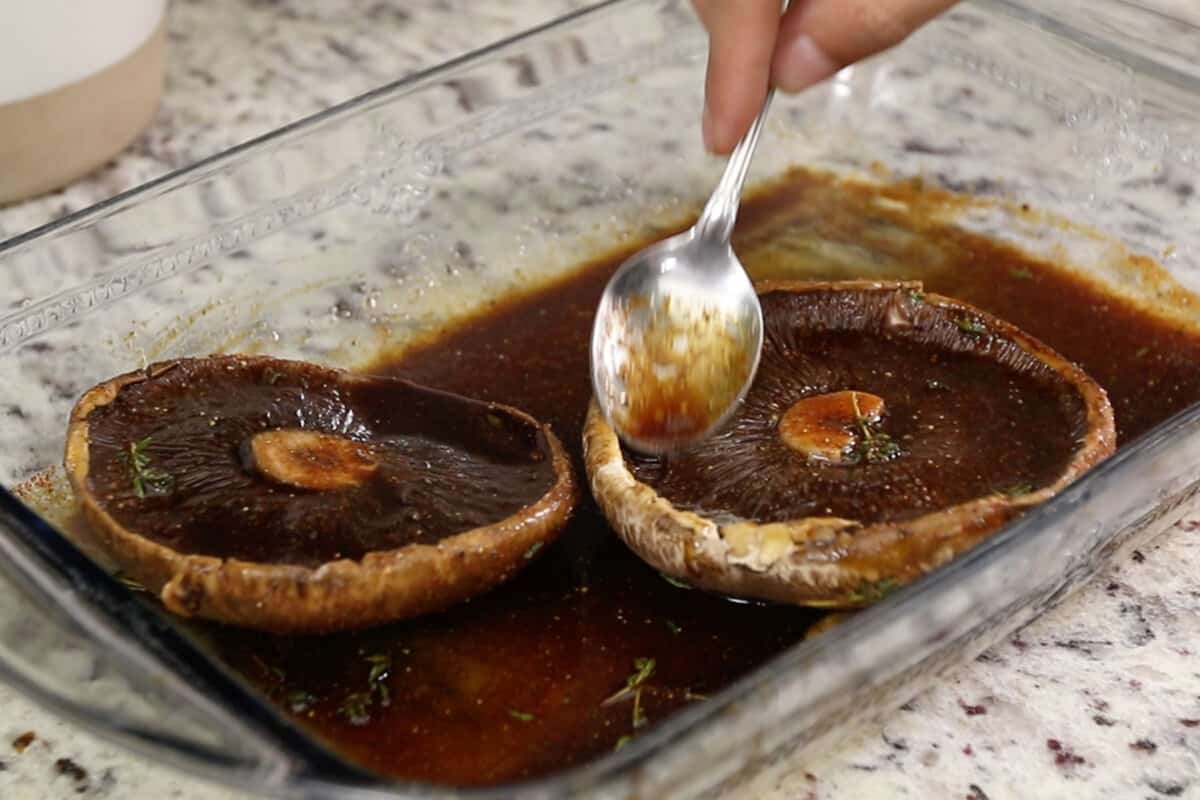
1100, 697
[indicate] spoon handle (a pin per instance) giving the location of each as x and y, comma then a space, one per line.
716, 221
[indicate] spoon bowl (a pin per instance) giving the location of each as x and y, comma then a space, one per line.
678, 332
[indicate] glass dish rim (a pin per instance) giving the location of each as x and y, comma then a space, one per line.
1015, 9
607, 765
351, 105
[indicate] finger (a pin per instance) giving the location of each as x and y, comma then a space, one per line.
741, 45
819, 37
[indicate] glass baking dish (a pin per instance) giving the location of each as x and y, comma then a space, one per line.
388, 217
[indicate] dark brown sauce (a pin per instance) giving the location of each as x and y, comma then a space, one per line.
670, 396
966, 416
1147, 365
512, 685
170, 458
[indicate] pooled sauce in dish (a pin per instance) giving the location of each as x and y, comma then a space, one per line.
588, 645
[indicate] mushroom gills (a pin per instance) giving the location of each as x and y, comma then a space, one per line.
269, 472
887, 430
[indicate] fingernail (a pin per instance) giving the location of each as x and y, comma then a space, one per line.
709, 127
802, 63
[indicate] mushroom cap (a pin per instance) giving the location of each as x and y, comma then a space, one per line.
293, 498
743, 515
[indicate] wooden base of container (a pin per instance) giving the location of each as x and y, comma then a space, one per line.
49, 140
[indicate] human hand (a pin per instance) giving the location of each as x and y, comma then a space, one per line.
751, 46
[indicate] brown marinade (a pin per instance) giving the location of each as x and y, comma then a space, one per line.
513, 684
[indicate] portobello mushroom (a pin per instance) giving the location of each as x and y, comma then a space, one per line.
887, 431
294, 498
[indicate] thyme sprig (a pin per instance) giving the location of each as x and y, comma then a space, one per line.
643, 668
147, 479
971, 327
356, 708
873, 445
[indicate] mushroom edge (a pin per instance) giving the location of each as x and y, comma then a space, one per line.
823, 561
346, 594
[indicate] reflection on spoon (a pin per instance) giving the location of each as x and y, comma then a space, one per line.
678, 333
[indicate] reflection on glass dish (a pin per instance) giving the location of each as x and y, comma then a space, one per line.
588, 646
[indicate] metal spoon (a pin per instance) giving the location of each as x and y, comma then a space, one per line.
678, 333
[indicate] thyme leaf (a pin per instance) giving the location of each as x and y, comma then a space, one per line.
678, 584
876, 449
971, 327
916, 295
873, 591
672, 627
356, 708
129, 583
523, 716
1021, 274
624, 740
533, 550
643, 668
1016, 490
936, 386
381, 665
300, 701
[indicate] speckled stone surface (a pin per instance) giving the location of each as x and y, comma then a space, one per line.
1099, 698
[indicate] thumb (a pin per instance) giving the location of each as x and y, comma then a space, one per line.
819, 37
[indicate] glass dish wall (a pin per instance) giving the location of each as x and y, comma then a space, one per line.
383, 220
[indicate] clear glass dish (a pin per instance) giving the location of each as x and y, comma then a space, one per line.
391, 215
